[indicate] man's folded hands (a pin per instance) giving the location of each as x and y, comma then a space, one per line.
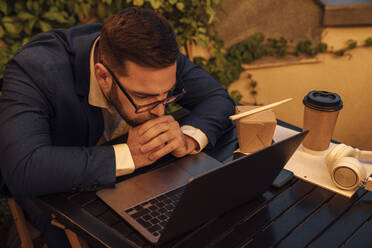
156, 138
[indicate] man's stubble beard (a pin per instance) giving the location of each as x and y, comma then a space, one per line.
115, 102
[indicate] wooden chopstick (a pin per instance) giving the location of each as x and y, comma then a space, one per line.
256, 110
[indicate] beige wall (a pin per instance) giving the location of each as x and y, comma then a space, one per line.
349, 76
294, 19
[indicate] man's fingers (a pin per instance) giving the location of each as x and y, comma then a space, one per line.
151, 123
163, 138
163, 151
161, 134
154, 132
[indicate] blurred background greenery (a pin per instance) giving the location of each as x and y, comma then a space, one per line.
22, 19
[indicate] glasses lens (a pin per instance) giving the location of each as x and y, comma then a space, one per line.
171, 99
175, 97
146, 108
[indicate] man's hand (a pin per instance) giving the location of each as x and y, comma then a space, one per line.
157, 138
140, 159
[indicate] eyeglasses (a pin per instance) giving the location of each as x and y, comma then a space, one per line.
145, 107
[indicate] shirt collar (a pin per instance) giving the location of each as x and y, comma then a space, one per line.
96, 97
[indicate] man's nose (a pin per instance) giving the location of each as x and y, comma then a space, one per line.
158, 110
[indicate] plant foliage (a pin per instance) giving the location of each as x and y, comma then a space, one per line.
22, 19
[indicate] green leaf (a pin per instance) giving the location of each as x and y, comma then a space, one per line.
180, 6
202, 37
368, 42
71, 21
202, 30
61, 4
236, 96
15, 47
138, 2
13, 28
155, 3
173, 2
8, 19
118, 4
18, 7
101, 10
352, 44
25, 16
25, 40
313, 52
54, 16
4, 7
2, 32
29, 4
322, 47
210, 11
44, 26
30, 24
53, 9
340, 52
85, 7
36, 8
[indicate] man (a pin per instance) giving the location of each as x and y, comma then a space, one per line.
69, 91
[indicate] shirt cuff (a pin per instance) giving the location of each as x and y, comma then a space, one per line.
123, 160
197, 135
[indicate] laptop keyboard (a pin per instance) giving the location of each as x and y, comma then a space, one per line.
154, 214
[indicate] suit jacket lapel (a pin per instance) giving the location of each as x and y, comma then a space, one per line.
81, 47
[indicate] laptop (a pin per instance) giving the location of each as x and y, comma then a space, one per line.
167, 202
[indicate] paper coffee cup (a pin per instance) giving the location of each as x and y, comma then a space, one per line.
320, 116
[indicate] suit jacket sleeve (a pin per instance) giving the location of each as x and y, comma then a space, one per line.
30, 163
208, 101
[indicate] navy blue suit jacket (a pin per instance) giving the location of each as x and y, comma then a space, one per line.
48, 131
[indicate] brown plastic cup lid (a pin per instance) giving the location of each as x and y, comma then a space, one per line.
323, 101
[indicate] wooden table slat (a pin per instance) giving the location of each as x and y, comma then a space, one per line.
363, 238
243, 232
327, 214
344, 227
292, 218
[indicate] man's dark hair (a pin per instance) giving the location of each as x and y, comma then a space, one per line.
139, 35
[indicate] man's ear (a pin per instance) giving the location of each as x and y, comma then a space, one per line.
103, 77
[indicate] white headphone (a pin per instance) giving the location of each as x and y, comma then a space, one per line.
346, 171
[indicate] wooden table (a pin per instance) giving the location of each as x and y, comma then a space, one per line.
296, 215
